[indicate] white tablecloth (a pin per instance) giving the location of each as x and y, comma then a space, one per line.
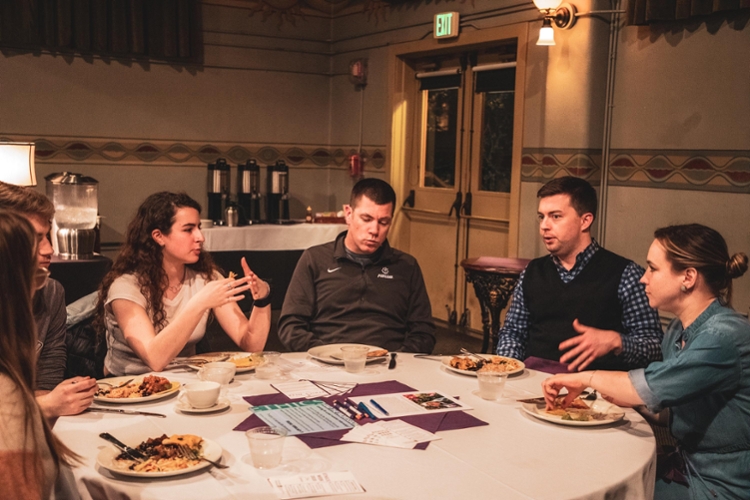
269, 237
515, 457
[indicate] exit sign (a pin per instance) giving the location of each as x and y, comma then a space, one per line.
446, 25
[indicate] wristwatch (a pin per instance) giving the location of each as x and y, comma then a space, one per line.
264, 301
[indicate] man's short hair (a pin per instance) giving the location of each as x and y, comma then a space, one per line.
25, 200
582, 194
377, 190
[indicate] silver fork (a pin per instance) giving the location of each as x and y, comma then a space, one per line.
466, 351
187, 452
115, 386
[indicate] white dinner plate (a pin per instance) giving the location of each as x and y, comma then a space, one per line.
332, 353
221, 404
447, 364
232, 356
106, 459
613, 412
136, 380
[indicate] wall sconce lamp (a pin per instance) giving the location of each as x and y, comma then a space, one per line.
563, 16
17, 163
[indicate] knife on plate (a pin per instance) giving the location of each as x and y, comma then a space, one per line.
124, 412
132, 452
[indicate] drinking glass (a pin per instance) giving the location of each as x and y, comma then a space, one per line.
491, 384
355, 357
266, 445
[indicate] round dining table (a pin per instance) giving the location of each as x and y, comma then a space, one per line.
515, 456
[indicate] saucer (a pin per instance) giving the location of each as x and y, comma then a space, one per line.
221, 404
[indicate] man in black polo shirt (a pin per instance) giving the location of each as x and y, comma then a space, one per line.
581, 304
357, 288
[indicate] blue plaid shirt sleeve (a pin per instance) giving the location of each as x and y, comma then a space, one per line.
641, 341
514, 334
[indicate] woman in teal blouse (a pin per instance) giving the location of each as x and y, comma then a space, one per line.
702, 387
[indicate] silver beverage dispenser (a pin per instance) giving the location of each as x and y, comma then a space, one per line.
75, 198
248, 192
218, 189
277, 193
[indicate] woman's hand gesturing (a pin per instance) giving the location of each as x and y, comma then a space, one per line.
259, 288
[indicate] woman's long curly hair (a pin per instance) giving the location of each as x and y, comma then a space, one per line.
142, 256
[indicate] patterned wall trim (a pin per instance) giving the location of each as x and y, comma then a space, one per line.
542, 165
194, 154
723, 171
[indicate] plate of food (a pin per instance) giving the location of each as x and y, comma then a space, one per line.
468, 365
332, 353
164, 456
245, 361
579, 413
136, 390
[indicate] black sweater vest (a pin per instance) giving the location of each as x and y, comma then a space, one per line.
591, 297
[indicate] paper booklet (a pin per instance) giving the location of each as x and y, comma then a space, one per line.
401, 404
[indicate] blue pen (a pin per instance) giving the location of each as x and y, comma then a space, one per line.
365, 409
376, 405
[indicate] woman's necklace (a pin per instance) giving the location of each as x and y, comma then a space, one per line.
176, 288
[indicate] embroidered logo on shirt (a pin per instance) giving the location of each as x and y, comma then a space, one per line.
333, 270
384, 273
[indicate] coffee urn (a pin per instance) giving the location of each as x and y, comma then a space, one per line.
75, 198
277, 193
218, 189
248, 192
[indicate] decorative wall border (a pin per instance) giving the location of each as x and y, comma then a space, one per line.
717, 170
172, 153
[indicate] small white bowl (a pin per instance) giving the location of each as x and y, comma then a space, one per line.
207, 223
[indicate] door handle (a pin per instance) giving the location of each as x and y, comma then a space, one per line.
456, 205
466, 207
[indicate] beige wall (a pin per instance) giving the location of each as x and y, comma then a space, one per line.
681, 90
680, 94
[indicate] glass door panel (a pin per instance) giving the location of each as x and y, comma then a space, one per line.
441, 116
496, 159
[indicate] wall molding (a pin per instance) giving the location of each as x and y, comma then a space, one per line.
142, 152
696, 170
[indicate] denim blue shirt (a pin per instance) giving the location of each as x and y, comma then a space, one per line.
706, 385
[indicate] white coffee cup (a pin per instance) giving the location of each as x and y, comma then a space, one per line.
218, 371
202, 394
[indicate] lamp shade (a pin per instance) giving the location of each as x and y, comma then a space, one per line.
547, 5
546, 34
17, 163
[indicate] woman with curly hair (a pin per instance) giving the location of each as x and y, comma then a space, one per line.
30, 455
701, 389
156, 300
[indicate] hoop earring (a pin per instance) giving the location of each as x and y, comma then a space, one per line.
683, 289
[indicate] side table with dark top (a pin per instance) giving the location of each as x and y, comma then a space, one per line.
494, 279
79, 277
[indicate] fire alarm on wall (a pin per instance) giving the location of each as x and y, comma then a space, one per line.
358, 72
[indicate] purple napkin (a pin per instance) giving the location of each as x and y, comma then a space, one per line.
430, 422
545, 365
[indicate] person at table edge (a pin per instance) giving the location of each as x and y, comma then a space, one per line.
581, 304
358, 288
701, 390
55, 396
